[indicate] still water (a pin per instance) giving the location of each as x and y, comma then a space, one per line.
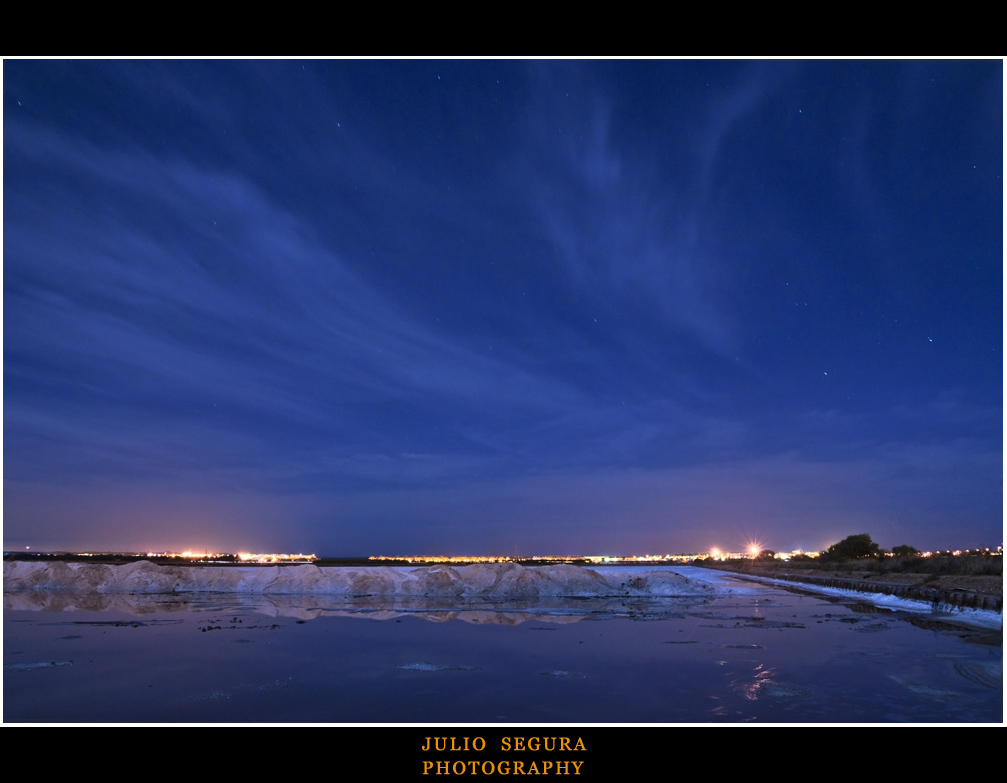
753, 653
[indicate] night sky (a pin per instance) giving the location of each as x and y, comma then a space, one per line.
502, 307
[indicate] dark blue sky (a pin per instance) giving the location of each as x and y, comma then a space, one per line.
475, 307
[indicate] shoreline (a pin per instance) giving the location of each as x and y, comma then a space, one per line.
961, 590
979, 608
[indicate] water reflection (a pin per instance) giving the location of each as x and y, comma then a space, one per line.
760, 654
760, 678
438, 609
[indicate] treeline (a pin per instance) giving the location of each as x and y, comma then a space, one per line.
859, 552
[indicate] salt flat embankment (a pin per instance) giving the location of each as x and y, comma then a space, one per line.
493, 580
962, 591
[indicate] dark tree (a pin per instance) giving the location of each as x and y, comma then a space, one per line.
852, 548
905, 550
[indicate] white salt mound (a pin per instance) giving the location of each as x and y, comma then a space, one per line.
501, 580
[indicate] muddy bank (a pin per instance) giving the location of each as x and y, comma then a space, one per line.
959, 591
